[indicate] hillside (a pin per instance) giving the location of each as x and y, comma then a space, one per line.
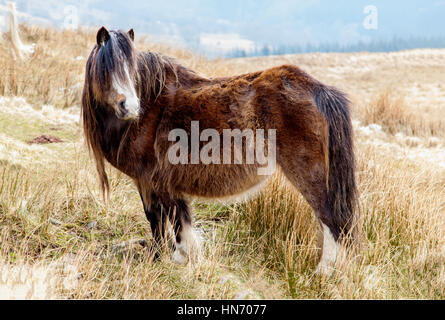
60, 240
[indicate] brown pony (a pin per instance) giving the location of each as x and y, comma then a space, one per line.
133, 100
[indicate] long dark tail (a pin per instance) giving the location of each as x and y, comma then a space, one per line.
342, 195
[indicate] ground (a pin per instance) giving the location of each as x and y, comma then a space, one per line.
59, 239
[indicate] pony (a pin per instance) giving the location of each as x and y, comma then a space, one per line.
133, 100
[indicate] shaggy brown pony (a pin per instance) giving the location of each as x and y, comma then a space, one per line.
132, 100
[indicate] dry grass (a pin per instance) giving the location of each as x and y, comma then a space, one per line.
59, 240
54, 73
395, 115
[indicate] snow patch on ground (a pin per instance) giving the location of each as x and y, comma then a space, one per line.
18, 106
40, 281
420, 150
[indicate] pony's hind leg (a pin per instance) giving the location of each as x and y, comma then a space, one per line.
312, 185
307, 173
331, 248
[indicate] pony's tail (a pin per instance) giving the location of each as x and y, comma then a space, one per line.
342, 195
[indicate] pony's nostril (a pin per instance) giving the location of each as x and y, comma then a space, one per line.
122, 106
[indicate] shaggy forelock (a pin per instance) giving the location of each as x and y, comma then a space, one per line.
111, 60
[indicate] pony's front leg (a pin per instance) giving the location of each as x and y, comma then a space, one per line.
188, 246
157, 216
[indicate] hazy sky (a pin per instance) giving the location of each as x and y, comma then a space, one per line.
263, 21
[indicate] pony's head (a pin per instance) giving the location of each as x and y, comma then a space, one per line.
112, 73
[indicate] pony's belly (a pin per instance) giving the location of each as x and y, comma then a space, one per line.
229, 190
244, 195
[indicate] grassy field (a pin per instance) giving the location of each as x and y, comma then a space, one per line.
60, 240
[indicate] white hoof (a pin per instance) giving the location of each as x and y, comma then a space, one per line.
325, 271
179, 258
329, 255
189, 249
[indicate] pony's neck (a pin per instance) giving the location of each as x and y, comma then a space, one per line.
188, 78
158, 72
112, 131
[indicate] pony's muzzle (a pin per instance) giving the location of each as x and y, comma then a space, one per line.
123, 108
127, 111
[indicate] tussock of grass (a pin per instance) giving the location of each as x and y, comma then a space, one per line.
394, 114
267, 247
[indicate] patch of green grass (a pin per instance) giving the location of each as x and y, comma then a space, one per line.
24, 129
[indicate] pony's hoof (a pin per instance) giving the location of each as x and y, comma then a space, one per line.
189, 249
179, 258
325, 271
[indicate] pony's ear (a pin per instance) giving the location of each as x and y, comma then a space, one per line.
102, 36
131, 34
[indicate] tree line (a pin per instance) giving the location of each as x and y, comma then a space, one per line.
394, 44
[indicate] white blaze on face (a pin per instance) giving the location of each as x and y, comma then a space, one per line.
127, 89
